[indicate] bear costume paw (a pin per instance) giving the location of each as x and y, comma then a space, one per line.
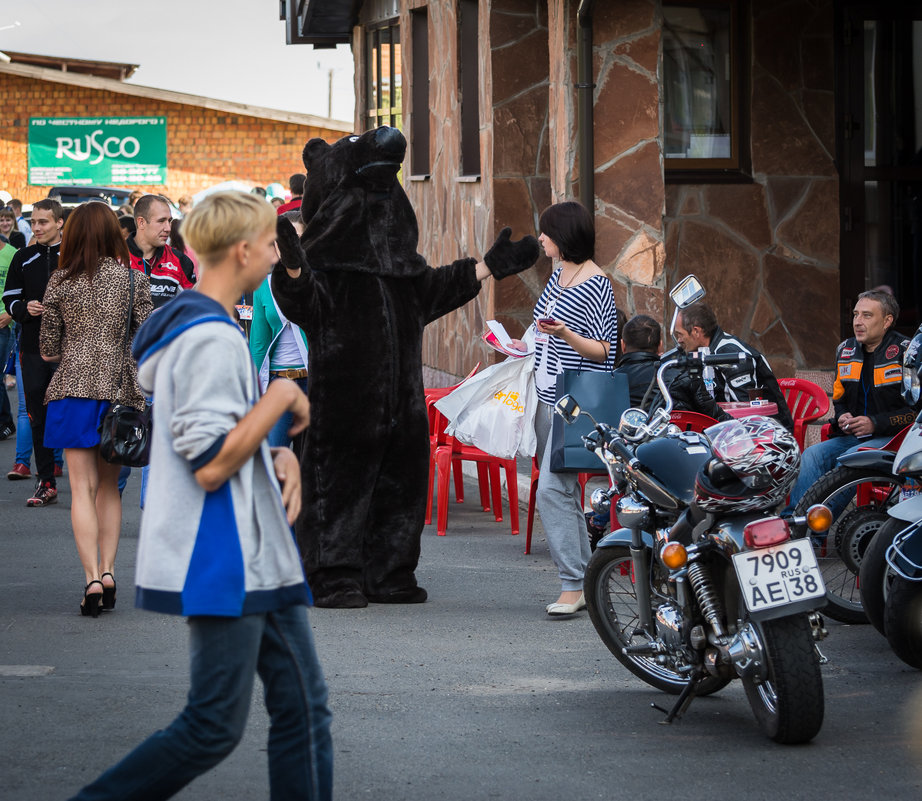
289, 245
507, 258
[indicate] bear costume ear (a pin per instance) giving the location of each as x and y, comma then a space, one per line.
312, 150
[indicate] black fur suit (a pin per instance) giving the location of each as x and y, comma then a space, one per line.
363, 297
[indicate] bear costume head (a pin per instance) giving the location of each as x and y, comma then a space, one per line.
357, 216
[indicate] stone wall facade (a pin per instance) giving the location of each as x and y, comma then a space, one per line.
768, 252
204, 146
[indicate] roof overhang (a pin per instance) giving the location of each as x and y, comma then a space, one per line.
321, 23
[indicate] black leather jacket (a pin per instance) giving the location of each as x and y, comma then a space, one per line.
688, 392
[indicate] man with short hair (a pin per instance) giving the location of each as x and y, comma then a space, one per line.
697, 328
170, 272
21, 222
640, 361
867, 394
296, 185
22, 295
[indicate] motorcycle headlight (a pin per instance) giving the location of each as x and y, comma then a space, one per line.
911, 465
911, 388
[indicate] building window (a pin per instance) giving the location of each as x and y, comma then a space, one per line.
419, 124
469, 86
705, 124
383, 91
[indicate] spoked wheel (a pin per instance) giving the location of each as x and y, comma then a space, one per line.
612, 603
859, 499
875, 575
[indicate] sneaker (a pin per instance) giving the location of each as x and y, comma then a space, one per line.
7, 430
58, 471
19, 472
44, 495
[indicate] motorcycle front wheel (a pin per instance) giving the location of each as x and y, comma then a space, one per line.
875, 575
859, 499
611, 600
903, 620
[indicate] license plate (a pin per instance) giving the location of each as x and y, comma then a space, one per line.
779, 576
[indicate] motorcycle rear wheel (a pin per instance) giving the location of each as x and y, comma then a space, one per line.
840, 551
903, 620
788, 704
612, 605
875, 575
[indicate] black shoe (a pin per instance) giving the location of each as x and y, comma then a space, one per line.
7, 430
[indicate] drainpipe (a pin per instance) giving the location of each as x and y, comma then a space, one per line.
584, 87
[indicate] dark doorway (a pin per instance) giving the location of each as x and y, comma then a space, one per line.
879, 141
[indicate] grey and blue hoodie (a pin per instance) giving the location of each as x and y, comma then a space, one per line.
229, 552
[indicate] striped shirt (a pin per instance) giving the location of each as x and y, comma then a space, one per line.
588, 309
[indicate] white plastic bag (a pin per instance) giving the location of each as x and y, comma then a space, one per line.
494, 410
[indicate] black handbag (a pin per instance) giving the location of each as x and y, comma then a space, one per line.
605, 396
125, 433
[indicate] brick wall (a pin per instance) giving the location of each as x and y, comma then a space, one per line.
204, 146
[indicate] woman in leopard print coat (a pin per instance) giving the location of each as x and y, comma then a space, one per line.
83, 328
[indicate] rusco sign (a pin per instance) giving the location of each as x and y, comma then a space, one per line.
97, 150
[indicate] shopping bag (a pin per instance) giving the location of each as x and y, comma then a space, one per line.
494, 410
605, 396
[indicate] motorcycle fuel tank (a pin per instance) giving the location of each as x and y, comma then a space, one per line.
673, 462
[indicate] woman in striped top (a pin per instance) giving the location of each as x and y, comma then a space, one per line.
576, 327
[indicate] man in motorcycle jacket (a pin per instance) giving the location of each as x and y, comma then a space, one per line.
640, 361
696, 327
867, 400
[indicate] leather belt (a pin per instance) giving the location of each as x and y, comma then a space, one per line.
295, 372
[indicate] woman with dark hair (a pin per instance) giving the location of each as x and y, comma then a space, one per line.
576, 327
83, 328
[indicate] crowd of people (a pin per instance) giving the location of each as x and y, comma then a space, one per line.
227, 410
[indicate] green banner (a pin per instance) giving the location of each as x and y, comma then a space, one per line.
79, 151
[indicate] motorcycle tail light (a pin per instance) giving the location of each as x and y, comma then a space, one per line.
674, 555
819, 518
765, 533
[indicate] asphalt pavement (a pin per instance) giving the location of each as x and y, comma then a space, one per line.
475, 694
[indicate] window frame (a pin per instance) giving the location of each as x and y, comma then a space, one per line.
373, 114
738, 167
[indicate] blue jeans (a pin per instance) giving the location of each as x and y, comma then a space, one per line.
227, 653
820, 458
278, 435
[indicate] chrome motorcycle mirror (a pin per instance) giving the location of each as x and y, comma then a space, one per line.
687, 291
567, 408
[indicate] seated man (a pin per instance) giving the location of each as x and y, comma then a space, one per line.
641, 344
696, 327
867, 401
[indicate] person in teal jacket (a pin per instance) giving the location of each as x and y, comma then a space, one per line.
279, 348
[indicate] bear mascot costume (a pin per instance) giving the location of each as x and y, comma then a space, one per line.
363, 295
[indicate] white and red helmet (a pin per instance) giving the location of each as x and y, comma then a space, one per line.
756, 461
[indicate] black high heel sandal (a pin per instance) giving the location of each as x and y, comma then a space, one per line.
108, 593
90, 605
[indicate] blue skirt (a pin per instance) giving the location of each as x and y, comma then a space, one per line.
74, 422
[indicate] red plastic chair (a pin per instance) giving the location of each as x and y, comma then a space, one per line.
583, 479
692, 421
451, 454
807, 402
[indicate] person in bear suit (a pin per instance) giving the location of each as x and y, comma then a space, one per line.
361, 292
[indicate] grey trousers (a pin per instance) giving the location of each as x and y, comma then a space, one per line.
561, 510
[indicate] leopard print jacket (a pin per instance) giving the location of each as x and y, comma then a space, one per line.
84, 323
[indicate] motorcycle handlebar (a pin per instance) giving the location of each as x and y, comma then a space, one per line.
721, 359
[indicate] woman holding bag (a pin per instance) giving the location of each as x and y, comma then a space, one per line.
576, 328
83, 327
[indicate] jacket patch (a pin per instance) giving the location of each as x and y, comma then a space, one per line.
739, 381
892, 352
846, 353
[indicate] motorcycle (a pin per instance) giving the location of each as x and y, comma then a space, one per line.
891, 573
860, 490
705, 585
